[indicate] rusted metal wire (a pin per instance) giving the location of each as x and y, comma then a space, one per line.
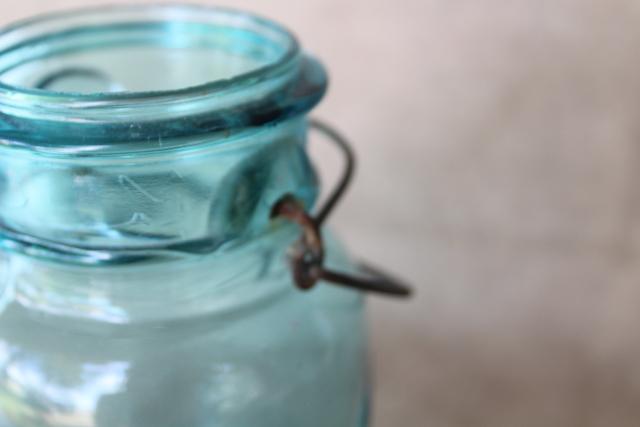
307, 255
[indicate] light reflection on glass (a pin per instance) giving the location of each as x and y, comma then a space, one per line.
232, 388
29, 395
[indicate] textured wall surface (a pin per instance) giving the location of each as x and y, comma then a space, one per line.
500, 154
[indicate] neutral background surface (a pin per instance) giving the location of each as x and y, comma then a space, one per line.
500, 154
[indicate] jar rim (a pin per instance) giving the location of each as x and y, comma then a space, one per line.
19, 93
121, 122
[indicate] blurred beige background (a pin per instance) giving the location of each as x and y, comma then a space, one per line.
500, 152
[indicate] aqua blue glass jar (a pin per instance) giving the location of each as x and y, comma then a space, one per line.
143, 280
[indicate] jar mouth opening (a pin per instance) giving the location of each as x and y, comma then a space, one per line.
114, 55
118, 79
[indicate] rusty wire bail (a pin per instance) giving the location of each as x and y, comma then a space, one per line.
307, 254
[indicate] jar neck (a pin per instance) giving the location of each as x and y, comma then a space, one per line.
192, 200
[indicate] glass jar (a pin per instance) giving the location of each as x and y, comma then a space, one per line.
142, 280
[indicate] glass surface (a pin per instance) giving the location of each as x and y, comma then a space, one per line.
142, 282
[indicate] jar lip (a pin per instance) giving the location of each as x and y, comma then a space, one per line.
67, 101
277, 82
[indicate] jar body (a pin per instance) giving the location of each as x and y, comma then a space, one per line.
224, 341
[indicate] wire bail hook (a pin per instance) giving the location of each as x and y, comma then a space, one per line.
307, 254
